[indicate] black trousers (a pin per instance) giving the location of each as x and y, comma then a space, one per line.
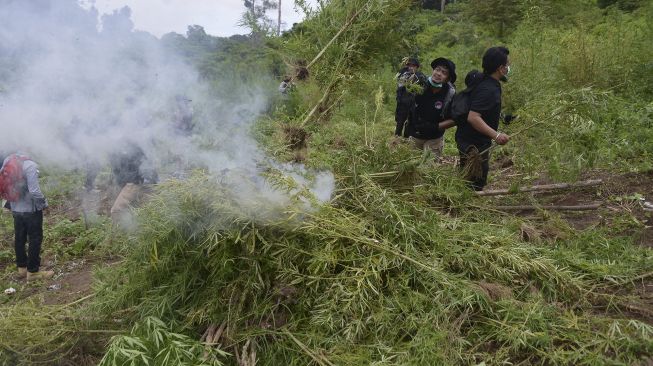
28, 225
403, 115
474, 165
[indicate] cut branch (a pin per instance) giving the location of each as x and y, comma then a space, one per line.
342, 30
328, 91
555, 208
543, 187
639, 310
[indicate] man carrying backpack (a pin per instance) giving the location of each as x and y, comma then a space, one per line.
431, 106
475, 135
407, 76
19, 185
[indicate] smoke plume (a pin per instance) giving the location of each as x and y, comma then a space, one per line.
74, 89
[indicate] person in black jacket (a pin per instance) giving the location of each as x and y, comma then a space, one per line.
430, 118
474, 138
408, 75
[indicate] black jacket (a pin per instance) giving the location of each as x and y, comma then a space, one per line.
431, 109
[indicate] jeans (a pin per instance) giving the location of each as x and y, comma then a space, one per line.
28, 225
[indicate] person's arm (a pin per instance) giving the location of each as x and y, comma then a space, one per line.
476, 121
32, 176
483, 100
448, 123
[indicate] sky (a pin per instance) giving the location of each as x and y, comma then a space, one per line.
218, 17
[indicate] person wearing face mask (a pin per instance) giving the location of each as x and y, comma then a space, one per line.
409, 74
475, 137
430, 118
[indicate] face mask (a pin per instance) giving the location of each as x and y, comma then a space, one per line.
504, 78
435, 85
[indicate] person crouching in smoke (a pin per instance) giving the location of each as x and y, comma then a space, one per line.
131, 171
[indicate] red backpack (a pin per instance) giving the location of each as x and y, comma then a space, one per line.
12, 182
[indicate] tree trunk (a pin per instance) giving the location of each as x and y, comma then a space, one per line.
442, 4
252, 11
543, 187
279, 21
594, 206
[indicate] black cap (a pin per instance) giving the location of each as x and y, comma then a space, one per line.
441, 61
412, 61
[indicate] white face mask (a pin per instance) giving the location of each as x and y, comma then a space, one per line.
434, 84
504, 77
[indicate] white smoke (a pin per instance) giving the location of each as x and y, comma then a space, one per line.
72, 91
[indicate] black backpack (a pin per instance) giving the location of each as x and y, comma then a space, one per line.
462, 102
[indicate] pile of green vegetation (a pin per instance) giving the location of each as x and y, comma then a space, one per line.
405, 266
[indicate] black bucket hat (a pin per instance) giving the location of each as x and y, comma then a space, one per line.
441, 61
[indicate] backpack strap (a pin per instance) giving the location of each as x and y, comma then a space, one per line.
451, 91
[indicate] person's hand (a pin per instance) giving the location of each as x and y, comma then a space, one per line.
444, 125
502, 138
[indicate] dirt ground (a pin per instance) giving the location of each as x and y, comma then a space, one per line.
71, 282
621, 196
73, 276
622, 211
